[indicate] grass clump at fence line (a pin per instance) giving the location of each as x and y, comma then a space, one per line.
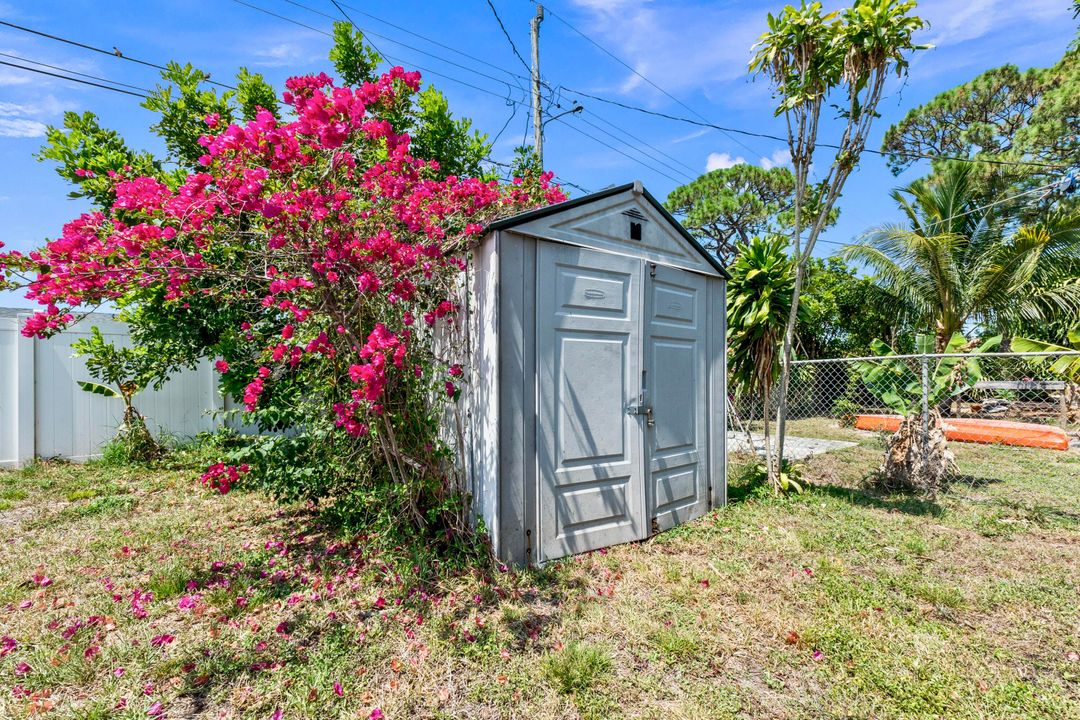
841, 600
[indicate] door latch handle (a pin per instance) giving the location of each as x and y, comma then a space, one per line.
642, 409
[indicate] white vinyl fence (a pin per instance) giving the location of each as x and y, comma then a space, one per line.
43, 413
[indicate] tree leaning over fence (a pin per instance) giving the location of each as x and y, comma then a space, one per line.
807, 54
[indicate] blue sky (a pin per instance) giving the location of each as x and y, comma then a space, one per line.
695, 51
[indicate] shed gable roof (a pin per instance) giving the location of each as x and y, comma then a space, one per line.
603, 220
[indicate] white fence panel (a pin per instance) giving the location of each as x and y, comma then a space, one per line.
44, 413
9, 389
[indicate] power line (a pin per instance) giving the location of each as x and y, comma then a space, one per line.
693, 172
637, 149
387, 56
73, 72
508, 38
634, 70
384, 55
111, 53
73, 79
506, 99
433, 41
368, 34
768, 136
612, 147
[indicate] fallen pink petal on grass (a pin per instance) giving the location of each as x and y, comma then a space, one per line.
188, 602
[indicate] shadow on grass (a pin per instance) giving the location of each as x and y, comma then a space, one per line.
972, 481
890, 502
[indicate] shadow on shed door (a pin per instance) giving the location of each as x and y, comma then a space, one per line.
621, 398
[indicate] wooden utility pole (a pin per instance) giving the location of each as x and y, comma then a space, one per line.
538, 122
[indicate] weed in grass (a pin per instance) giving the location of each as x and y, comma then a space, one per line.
675, 644
577, 667
12, 492
171, 581
106, 505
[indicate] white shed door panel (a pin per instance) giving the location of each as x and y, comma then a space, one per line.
590, 451
676, 388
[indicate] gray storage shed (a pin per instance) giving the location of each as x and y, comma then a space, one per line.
597, 407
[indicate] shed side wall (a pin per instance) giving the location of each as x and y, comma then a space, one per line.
517, 370
483, 391
717, 412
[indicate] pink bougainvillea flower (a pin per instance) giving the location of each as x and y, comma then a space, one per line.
25, 604
818, 655
221, 366
120, 704
139, 599
155, 710
376, 714
40, 578
91, 652
333, 206
276, 714
21, 669
162, 640
338, 689
118, 672
188, 602
7, 644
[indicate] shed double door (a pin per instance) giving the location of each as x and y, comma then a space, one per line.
621, 398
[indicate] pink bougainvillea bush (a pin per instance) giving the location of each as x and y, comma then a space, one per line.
337, 255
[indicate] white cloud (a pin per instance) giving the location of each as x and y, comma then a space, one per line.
44, 106
691, 136
21, 128
24, 120
780, 156
285, 53
11, 76
719, 161
677, 45
957, 21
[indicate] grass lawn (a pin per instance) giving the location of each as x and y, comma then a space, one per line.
128, 592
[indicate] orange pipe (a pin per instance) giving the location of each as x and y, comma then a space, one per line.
995, 432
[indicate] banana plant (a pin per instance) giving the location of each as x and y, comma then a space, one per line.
898, 382
1067, 366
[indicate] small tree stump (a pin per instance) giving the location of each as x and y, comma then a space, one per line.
908, 466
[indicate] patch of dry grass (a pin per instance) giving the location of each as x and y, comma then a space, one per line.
839, 602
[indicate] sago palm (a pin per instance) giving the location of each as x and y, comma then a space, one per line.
957, 263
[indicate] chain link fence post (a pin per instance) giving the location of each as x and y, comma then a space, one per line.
926, 414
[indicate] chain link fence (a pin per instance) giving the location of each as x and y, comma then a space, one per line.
1012, 399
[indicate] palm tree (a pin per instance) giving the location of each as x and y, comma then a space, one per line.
759, 302
957, 263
